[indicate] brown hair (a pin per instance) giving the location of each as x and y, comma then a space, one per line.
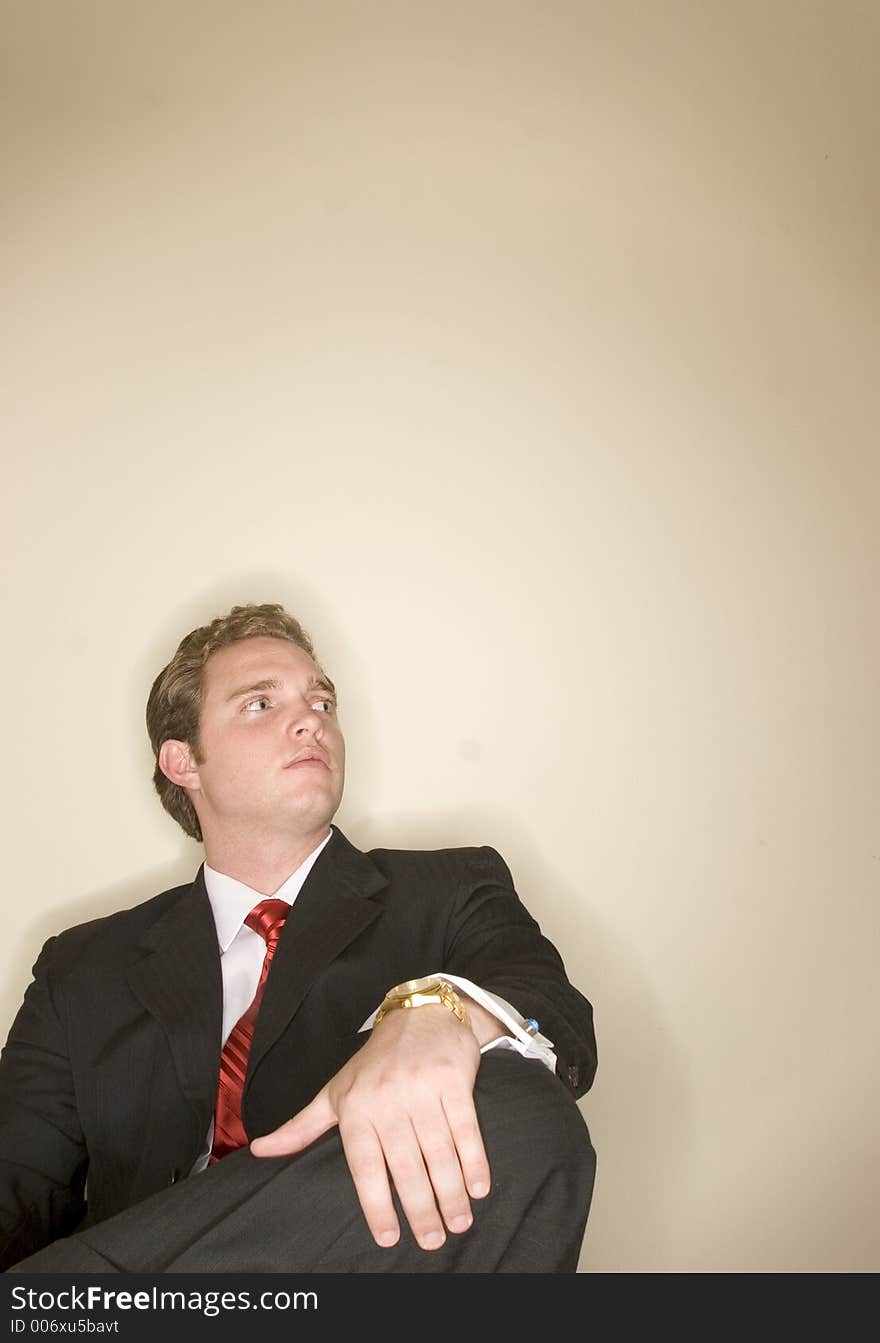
175, 701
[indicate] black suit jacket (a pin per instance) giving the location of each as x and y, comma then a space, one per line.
111, 1065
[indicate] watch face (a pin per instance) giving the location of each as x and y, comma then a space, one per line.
426, 984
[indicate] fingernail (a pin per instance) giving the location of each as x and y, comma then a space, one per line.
433, 1240
480, 1189
460, 1223
387, 1237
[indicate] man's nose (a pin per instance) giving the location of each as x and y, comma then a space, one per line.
306, 719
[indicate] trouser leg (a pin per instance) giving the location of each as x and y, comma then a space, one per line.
300, 1214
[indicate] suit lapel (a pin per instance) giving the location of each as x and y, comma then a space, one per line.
334, 906
179, 983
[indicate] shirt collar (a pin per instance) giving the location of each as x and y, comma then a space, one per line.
231, 900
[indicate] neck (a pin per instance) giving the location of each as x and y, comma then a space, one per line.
264, 866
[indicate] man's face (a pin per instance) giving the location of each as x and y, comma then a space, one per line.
263, 705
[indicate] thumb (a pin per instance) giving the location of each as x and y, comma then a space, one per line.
300, 1131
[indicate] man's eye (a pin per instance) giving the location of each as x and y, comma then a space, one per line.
250, 704
328, 702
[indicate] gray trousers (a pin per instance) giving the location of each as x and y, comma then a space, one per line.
300, 1214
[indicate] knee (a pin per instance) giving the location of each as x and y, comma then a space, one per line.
530, 1120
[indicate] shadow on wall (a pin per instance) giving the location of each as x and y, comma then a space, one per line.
642, 1115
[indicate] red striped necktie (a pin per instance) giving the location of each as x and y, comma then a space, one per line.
267, 919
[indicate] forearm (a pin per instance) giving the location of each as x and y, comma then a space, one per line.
494, 942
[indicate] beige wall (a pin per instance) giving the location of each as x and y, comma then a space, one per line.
529, 353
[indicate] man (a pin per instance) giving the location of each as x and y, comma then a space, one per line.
259, 1031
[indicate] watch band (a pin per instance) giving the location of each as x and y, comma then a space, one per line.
422, 993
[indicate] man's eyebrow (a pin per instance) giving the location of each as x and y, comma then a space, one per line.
270, 684
321, 683
316, 683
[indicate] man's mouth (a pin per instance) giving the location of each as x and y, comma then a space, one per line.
309, 757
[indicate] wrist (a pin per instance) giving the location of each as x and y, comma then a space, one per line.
484, 1025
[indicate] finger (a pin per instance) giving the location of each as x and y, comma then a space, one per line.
414, 1189
443, 1167
300, 1131
363, 1153
458, 1106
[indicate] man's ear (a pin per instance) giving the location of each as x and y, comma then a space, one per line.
177, 763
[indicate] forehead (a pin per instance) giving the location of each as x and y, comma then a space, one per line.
258, 659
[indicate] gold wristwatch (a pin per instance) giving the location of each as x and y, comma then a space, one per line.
420, 992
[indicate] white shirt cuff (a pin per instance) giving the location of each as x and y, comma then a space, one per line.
526, 1039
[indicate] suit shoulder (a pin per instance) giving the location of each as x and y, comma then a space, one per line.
110, 934
461, 861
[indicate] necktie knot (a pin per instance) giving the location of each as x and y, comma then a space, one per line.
267, 919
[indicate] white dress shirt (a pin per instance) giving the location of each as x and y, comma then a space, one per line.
241, 959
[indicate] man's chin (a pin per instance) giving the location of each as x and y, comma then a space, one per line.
314, 814
301, 816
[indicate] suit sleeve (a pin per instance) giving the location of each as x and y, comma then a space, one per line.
43, 1158
494, 941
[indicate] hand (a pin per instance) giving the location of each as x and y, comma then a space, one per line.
405, 1099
